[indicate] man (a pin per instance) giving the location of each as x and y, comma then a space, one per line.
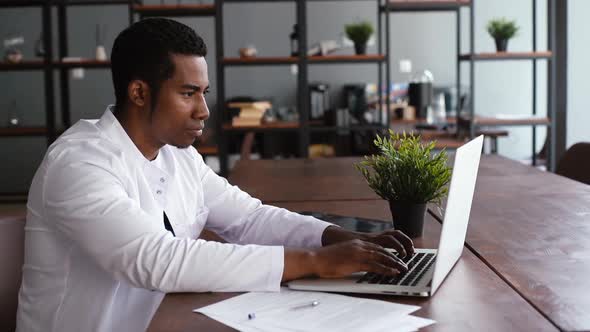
116, 206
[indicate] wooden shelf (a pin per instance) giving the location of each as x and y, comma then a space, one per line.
94, 2
175, 10
40, 3
511, 121
86, 63
21, 3
347, 58
22, 131
258, 61
506, 56
420, 6
279, 125
207, 150
350, 128
23, 65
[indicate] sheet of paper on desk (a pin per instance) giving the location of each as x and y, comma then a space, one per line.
288, 311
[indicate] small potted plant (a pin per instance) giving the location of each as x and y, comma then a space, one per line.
359, 33
409, 175
502, 30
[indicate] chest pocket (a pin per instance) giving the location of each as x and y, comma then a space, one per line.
193, 226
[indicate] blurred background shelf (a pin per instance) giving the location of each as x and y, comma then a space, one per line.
417, 6
174, 10
506, 56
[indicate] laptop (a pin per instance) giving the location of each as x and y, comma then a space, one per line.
427, 268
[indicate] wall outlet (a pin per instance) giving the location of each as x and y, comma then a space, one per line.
405, 66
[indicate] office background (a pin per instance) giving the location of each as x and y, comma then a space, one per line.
427, 39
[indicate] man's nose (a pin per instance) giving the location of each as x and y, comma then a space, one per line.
201, 111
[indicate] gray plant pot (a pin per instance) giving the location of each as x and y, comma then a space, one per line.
501, 44
360, 48
408, 217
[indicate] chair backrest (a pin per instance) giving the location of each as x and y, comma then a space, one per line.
12, 240
575, 163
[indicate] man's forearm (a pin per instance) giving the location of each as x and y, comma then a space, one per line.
299, 263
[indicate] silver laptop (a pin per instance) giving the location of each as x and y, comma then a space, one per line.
427, 268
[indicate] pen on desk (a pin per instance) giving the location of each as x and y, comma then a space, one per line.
311, 304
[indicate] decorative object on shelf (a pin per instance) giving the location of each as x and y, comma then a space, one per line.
502, 30
323, 47
77, 73
409, 175
439, 112
420, 93
39, 46
13, 115
101, 53
12, 53
248, 51
294, 36
248, 113
319, 100
359, 33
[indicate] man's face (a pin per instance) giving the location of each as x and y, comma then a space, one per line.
181, 110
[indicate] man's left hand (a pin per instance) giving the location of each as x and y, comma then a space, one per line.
388, 239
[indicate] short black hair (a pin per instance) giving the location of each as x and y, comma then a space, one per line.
142, 51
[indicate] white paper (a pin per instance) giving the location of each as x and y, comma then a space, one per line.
290, 311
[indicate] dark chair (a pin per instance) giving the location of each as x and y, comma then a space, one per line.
12, 245
575, 163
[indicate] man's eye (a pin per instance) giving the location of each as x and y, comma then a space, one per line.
188, 94
206, 92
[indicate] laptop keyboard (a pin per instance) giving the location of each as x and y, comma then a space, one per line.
418, 264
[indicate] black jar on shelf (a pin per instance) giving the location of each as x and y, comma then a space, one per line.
294, 36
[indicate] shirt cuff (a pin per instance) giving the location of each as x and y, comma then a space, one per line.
319, 226
277, 266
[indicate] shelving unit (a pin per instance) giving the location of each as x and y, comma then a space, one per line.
65, 66
474, 122
304, 127
534, 55
45, 65
173, 10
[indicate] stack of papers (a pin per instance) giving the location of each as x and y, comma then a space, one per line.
292, 311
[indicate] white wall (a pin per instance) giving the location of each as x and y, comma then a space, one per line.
578, 99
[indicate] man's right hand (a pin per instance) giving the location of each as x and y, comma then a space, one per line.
340, 260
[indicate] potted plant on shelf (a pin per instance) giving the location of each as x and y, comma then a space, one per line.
359, 33
502, 30
409, 175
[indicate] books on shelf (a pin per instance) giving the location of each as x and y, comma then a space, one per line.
250, 113
254, 104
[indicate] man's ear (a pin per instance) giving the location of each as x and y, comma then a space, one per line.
138, 92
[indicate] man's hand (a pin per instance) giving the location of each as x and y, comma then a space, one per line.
340, 260
387, 239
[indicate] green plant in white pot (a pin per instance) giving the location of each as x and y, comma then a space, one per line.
502, 30
409, 175
359, 33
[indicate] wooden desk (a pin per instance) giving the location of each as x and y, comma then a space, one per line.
531, 227
472, 298
302, 180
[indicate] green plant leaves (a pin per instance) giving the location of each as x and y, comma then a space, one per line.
359, 32
501, 28
406, 170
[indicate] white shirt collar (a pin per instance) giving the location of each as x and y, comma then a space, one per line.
114, 131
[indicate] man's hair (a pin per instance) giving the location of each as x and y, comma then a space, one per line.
142, 51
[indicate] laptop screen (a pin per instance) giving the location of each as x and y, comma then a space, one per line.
454, 229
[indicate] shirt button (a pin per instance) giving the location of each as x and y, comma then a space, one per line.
162, 180
159, 192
